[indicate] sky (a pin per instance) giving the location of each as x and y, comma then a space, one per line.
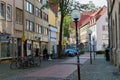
99, 3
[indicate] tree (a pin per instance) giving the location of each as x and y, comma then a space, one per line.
87, 7
65, 7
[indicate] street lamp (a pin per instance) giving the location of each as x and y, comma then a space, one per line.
89, 33
75, 14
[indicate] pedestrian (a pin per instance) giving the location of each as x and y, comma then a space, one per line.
36, 52
45, 53
107, 54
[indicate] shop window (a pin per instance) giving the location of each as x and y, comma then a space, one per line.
5, 50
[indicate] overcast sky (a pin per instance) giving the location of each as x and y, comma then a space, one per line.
99, 3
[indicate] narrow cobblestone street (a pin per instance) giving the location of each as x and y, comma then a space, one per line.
64, 69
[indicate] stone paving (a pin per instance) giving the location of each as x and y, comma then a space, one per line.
99, 70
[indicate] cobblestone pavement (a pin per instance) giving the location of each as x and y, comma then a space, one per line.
6, 72
99, 70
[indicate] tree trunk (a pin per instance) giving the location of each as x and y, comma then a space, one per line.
60, 38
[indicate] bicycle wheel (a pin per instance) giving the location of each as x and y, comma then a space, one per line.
13, 65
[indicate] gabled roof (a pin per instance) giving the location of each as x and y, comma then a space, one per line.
85, 17
54, 8
101, 12
88, 15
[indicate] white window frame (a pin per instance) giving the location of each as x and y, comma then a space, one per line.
19, 16
27, 24
4, 11
9, 12
29, 7
40, 27
37, 27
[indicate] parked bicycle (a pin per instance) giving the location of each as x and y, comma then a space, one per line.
24, 62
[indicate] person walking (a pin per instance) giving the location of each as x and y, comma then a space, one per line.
45, 53
107, 54
36, 52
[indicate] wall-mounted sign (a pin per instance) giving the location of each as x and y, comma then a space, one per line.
5, 37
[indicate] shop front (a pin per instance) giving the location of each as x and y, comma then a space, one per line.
44, 44
36, 45
5, 46
27, 47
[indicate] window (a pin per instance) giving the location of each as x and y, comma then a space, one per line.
45, 16
19, 16
45, 31
37, 28
29, 25
9, 12
40, 28
36, 11
105, 28
106, 19
2, 8
29, 7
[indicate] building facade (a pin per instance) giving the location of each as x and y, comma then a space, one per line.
53, 30
114, 31
99, 28
83, 26
23, 27
35, 26
11, 28
96, 21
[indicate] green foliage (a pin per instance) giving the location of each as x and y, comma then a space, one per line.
100, 52
66, 23
86, 7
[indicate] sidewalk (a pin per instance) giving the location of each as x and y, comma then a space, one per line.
99, 70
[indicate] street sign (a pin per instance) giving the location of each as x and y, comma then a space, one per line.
23, 38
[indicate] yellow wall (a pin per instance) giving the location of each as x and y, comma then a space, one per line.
52, 18
83, 33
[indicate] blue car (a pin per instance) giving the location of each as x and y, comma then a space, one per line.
71, 51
